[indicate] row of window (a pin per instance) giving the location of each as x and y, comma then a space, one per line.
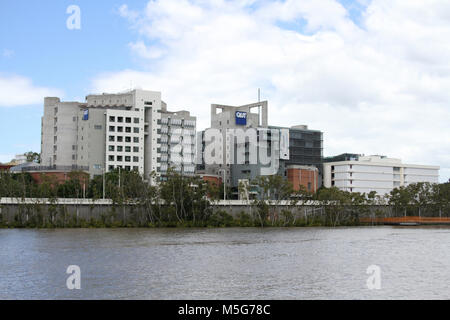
176, 122
121, 158
120, 119
127, 168
120, 129
121, 148
121, 139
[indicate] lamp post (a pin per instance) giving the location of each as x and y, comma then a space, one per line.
103, 174
224, 184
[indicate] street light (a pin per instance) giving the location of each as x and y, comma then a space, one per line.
103, 174
224, 184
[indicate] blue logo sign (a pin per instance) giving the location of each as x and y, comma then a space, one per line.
241, 118
86, 114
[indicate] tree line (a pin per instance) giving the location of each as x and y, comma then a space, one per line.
189, 201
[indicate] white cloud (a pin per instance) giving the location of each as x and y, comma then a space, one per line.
18, 90
5, 158
380, 87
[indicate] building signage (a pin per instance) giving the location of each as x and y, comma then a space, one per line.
86, 114
241, 118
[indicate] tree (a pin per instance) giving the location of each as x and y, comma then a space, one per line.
33, 156
272, 190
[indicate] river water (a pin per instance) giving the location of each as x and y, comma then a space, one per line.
234, 263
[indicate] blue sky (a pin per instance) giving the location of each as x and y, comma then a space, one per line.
361, 71
41, 48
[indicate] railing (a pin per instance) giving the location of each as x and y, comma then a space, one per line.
56, 168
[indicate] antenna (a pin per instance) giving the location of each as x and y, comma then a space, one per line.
259, 107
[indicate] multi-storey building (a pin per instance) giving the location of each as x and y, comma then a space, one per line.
375, 173
111, 131
296, 149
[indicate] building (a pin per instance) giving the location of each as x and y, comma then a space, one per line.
305, 176
306, 151
343, 157
375, 173
232, 117
284, 147
131, 130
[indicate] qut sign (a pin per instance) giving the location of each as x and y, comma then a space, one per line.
241, 118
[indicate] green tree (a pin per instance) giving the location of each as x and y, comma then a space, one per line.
33, 156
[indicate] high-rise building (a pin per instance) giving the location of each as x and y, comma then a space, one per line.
297, 148
131, 130
375, 173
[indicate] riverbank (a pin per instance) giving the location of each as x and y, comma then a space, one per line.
89, 213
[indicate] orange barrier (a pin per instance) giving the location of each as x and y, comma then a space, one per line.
409, 219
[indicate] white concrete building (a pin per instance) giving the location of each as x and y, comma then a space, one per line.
109, 131
376, 173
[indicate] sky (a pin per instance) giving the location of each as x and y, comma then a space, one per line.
373, 75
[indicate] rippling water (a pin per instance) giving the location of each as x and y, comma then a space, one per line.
247, 263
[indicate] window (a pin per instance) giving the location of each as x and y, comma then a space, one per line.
73, 157
135, 168
119, 129
74, 119
119, 148
127, 139
56, 110
74, 147
112, 119
54, 139
127, 159
111, 148
128, 168
111, 168
119, 158
127, 149
135, 149
136, 139
111, 158
111, 138
97, 127
136, 130
128, 120
120, 139
111, 128
119, 119
148, 103
128, 129
135, 159
136, 120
